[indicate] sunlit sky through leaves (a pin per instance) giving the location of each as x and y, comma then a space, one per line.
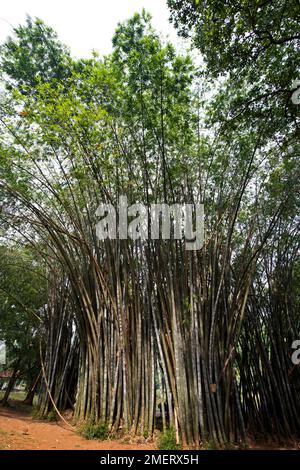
84, 25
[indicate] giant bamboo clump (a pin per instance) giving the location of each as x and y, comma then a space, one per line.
138, 325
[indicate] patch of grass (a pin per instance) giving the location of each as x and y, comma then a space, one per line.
17, 395
167, 440
14, 397
94, 431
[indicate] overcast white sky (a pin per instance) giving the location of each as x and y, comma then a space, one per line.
83, 25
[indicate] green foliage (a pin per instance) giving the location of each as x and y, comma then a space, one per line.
94, 431
235, 35
167, 440
22, 297
254, 47
33, 55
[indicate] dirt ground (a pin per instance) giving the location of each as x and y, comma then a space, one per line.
19, 431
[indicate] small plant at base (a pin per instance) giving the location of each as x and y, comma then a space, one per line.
52, 416
167, 440
94, 431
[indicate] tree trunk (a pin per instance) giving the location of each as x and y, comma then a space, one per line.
31, 391
10, 385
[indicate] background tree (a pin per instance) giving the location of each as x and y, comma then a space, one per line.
33, 55
22, 302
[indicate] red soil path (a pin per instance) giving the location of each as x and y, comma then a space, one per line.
18, 431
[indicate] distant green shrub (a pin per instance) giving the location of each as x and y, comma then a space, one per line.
167, 440
94, 431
